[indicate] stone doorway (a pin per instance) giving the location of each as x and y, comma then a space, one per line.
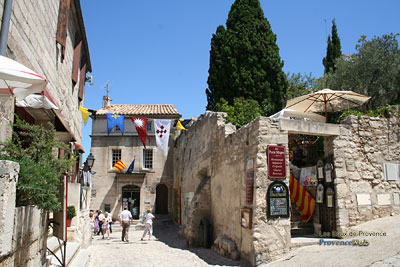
161, 199
131, 198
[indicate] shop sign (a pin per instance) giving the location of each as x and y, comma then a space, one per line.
249, 187
278, 200
276, 162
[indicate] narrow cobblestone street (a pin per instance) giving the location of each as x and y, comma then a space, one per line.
168, 250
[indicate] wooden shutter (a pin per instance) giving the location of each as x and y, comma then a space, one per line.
77, 60
82, 79
62, 25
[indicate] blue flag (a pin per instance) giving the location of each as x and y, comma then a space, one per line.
115, 120
130, 169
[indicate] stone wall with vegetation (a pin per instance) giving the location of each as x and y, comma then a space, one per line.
23, 230
360, 153
225, 154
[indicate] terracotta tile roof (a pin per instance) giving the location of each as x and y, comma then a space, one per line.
164, 110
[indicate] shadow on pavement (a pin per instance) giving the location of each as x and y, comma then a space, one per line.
167, 232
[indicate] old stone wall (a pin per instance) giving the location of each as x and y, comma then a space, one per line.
32, 42
223, 153
360, 154
6, 115
23, 230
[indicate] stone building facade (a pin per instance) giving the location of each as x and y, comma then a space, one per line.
48, 37
211, 165
150, 183
33, 41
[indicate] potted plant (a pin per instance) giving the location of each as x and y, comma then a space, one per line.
71, 213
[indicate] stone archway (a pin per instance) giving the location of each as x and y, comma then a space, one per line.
161, 199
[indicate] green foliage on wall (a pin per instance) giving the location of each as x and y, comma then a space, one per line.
35, 148
241, 112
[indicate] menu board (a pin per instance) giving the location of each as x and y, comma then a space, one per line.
276, 162
278, 206
278, 200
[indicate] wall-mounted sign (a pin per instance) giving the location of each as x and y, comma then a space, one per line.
276, 162
350, 166
278, 200
246, 218
249, 187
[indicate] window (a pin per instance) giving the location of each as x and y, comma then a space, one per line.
116, 155
149, 127
148, 158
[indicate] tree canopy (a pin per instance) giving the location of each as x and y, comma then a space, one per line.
374, 70
245, 61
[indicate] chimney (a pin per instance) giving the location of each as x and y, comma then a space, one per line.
106, 101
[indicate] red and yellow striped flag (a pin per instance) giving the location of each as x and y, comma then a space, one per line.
119, 166
304, 201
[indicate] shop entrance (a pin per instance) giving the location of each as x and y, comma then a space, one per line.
313, 174
162, 199
131, 198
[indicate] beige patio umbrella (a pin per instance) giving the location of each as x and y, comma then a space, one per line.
327, 100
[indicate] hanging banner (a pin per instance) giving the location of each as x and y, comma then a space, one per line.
276, 162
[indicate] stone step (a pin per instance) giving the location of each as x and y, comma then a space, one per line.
72, 250
81, 260
301, 231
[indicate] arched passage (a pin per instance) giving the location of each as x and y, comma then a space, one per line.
162, 199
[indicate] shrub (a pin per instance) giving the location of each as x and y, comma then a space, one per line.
71, 213
34, 147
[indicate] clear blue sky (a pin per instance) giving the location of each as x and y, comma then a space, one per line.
157, 51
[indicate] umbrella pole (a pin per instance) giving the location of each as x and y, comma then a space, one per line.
326, 112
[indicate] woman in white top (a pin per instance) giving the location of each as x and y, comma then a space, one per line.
148, 223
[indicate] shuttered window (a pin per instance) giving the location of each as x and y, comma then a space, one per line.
62, 25
77, 59
82, 79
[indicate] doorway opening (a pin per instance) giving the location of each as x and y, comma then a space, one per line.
162, 199
312, 172
131, 198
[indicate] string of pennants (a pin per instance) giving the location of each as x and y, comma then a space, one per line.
162, 131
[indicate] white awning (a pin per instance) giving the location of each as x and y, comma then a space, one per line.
35, 101
289, 114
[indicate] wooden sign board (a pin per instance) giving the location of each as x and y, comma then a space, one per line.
276, 162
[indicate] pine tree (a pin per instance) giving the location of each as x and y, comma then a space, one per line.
245, 61
333, 50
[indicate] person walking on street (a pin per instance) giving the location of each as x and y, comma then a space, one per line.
106, 228
109, 220
148, 224
101, 217
125, 218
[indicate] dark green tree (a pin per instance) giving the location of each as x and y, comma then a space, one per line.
245, 61
374, 70
333, 51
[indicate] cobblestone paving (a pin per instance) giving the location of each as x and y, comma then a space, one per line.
168, 250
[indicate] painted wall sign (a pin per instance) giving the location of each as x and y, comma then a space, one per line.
249, 187
276, 162
278, 200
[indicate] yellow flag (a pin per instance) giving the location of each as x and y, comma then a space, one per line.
179, 126
85, 114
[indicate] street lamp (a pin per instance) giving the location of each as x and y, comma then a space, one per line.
90, 160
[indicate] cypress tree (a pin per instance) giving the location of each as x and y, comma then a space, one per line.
333, 50
245, 61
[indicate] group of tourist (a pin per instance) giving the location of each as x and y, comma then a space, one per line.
101, 223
